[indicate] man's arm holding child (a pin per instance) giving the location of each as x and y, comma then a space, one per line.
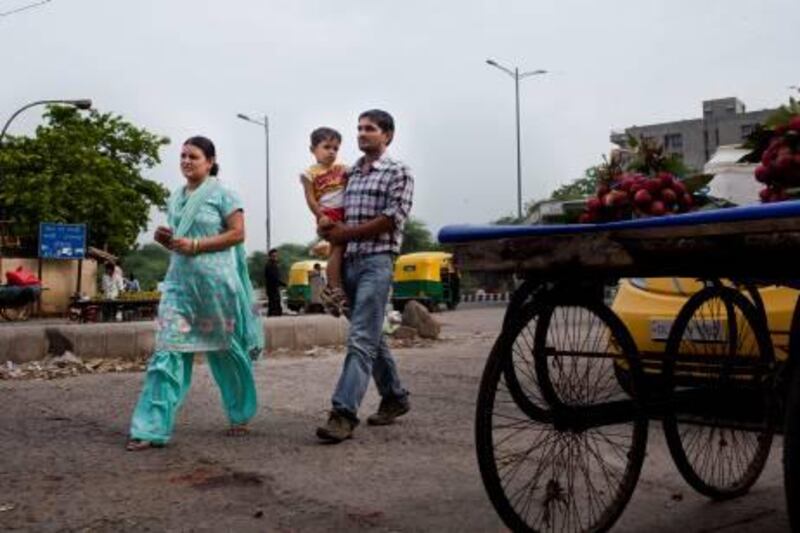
401, 192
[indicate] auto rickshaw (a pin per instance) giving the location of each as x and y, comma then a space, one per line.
298, 292
430, 278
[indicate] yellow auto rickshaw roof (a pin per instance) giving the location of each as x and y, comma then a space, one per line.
307, 265
298, 273
440, 258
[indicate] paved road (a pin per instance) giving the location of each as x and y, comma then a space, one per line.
63, 467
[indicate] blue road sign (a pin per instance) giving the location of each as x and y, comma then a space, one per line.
62, 241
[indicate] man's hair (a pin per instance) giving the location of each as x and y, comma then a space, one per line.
323, 134
273, 250
382, 119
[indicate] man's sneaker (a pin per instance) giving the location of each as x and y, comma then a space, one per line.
338, 428
389, 409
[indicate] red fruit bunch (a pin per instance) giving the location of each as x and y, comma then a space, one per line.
780, 163
634, 194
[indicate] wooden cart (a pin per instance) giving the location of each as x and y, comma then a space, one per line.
566, 397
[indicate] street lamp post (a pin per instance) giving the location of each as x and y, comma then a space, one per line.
83, 103
265, 125
516, 75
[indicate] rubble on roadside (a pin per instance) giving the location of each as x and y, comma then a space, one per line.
417, 316
70, 365
67, 365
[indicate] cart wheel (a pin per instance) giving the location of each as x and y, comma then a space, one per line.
791, 451
541, 471
718, 367
16, 314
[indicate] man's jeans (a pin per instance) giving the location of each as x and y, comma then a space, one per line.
367, 280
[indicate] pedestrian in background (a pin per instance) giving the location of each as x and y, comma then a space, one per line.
273, 284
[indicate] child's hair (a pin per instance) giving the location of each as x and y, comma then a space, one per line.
324, 134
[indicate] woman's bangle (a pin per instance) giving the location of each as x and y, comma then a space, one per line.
196, 246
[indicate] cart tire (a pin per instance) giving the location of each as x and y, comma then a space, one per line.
791, 435
719, 453
540, 476
791, 451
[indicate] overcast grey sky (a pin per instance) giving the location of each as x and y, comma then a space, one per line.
179, 67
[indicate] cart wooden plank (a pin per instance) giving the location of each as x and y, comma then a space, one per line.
762, 241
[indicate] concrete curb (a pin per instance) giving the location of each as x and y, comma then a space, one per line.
134, 340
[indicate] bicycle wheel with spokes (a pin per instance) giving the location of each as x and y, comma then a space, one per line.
718, 366
571, 465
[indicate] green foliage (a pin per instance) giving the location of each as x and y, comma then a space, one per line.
592, 177
758, 141
649, 157
255, 266
288, 254
580, 188
83, 168
783, 114
148, 263
417, 237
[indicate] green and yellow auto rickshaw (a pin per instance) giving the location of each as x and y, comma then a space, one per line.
298, 291
430, 278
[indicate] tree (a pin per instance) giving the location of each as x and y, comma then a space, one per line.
255, 266
417, 237
149, 263
83, 168
579, 188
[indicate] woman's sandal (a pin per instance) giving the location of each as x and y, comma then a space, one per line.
138, 445
238, 430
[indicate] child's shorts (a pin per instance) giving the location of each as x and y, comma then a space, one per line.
336, 214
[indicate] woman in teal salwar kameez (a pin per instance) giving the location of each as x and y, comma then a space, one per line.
207, 304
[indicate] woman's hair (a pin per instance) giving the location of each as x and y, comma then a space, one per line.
207, 147
324, 134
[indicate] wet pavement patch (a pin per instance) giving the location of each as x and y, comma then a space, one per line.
212, 478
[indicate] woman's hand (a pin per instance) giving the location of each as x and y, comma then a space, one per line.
182, 246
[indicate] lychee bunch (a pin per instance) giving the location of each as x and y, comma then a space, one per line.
632, 194
780, 163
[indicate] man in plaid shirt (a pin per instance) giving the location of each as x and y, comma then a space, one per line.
377, 201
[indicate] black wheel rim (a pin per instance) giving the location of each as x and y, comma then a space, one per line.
542, 477
720, 423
